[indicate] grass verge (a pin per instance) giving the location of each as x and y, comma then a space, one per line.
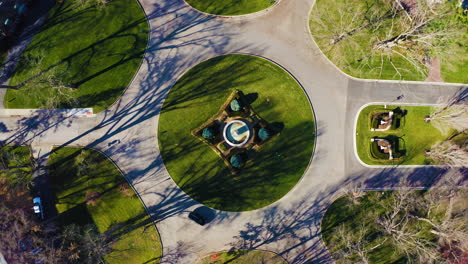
117, 211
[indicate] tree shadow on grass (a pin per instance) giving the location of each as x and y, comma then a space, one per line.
265, 178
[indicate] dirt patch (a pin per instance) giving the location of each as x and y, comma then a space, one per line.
434, 71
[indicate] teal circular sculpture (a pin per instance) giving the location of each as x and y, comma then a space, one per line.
235, 105
208, 133
264, 133
236, 161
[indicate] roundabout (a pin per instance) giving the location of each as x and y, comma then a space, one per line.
258, 172
147, 132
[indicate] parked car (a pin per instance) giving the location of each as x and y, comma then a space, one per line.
37, 206
198, 218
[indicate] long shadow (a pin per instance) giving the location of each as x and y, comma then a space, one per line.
296, 232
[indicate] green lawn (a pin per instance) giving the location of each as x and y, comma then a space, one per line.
355, 53
415, 135
74, 172
230, 7
95, 48
243, 257
16, 164
3, 55
270, 172
353, 217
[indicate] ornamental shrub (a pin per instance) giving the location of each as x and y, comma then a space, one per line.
208, 133
235, 105
236, 161
264, 133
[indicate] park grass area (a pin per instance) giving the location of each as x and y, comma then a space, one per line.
94, 47
414, 135
243, 257
269, 172
352, 218
355, 52
230, 7
3, 55
117, 211
15, 175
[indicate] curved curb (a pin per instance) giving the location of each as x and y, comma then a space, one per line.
315, 132
390, 166
243, 16
368, 80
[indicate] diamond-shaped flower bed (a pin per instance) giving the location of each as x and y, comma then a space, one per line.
233, 130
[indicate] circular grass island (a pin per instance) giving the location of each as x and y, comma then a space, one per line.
270, 171
230, 7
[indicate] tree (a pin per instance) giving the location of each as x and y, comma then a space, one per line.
15, 168
208, 133
446, 215
45, 78
264, 133
399, 226
19, 229
451, 113
394, 30
354, 245
448, 153
236, 161
235, 105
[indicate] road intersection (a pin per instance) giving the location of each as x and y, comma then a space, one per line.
180, 38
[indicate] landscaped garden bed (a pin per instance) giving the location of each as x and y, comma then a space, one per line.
235, 130
230, 7
92, 193
271, 170
409, 135
84, 55
397, 40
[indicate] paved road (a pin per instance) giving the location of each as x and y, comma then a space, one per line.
180, 39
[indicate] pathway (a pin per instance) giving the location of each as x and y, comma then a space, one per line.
182, 38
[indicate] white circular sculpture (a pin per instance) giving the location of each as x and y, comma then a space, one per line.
236, 133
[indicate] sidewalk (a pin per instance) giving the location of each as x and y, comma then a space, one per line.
73, 112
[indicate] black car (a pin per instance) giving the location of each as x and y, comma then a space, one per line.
198, 218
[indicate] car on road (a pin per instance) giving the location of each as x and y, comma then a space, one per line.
37, 206
198, 218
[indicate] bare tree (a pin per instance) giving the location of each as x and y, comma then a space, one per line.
45, 77
448, 153
447, 118
355, 245
446, 213
451, 112
398, 225
411, 31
